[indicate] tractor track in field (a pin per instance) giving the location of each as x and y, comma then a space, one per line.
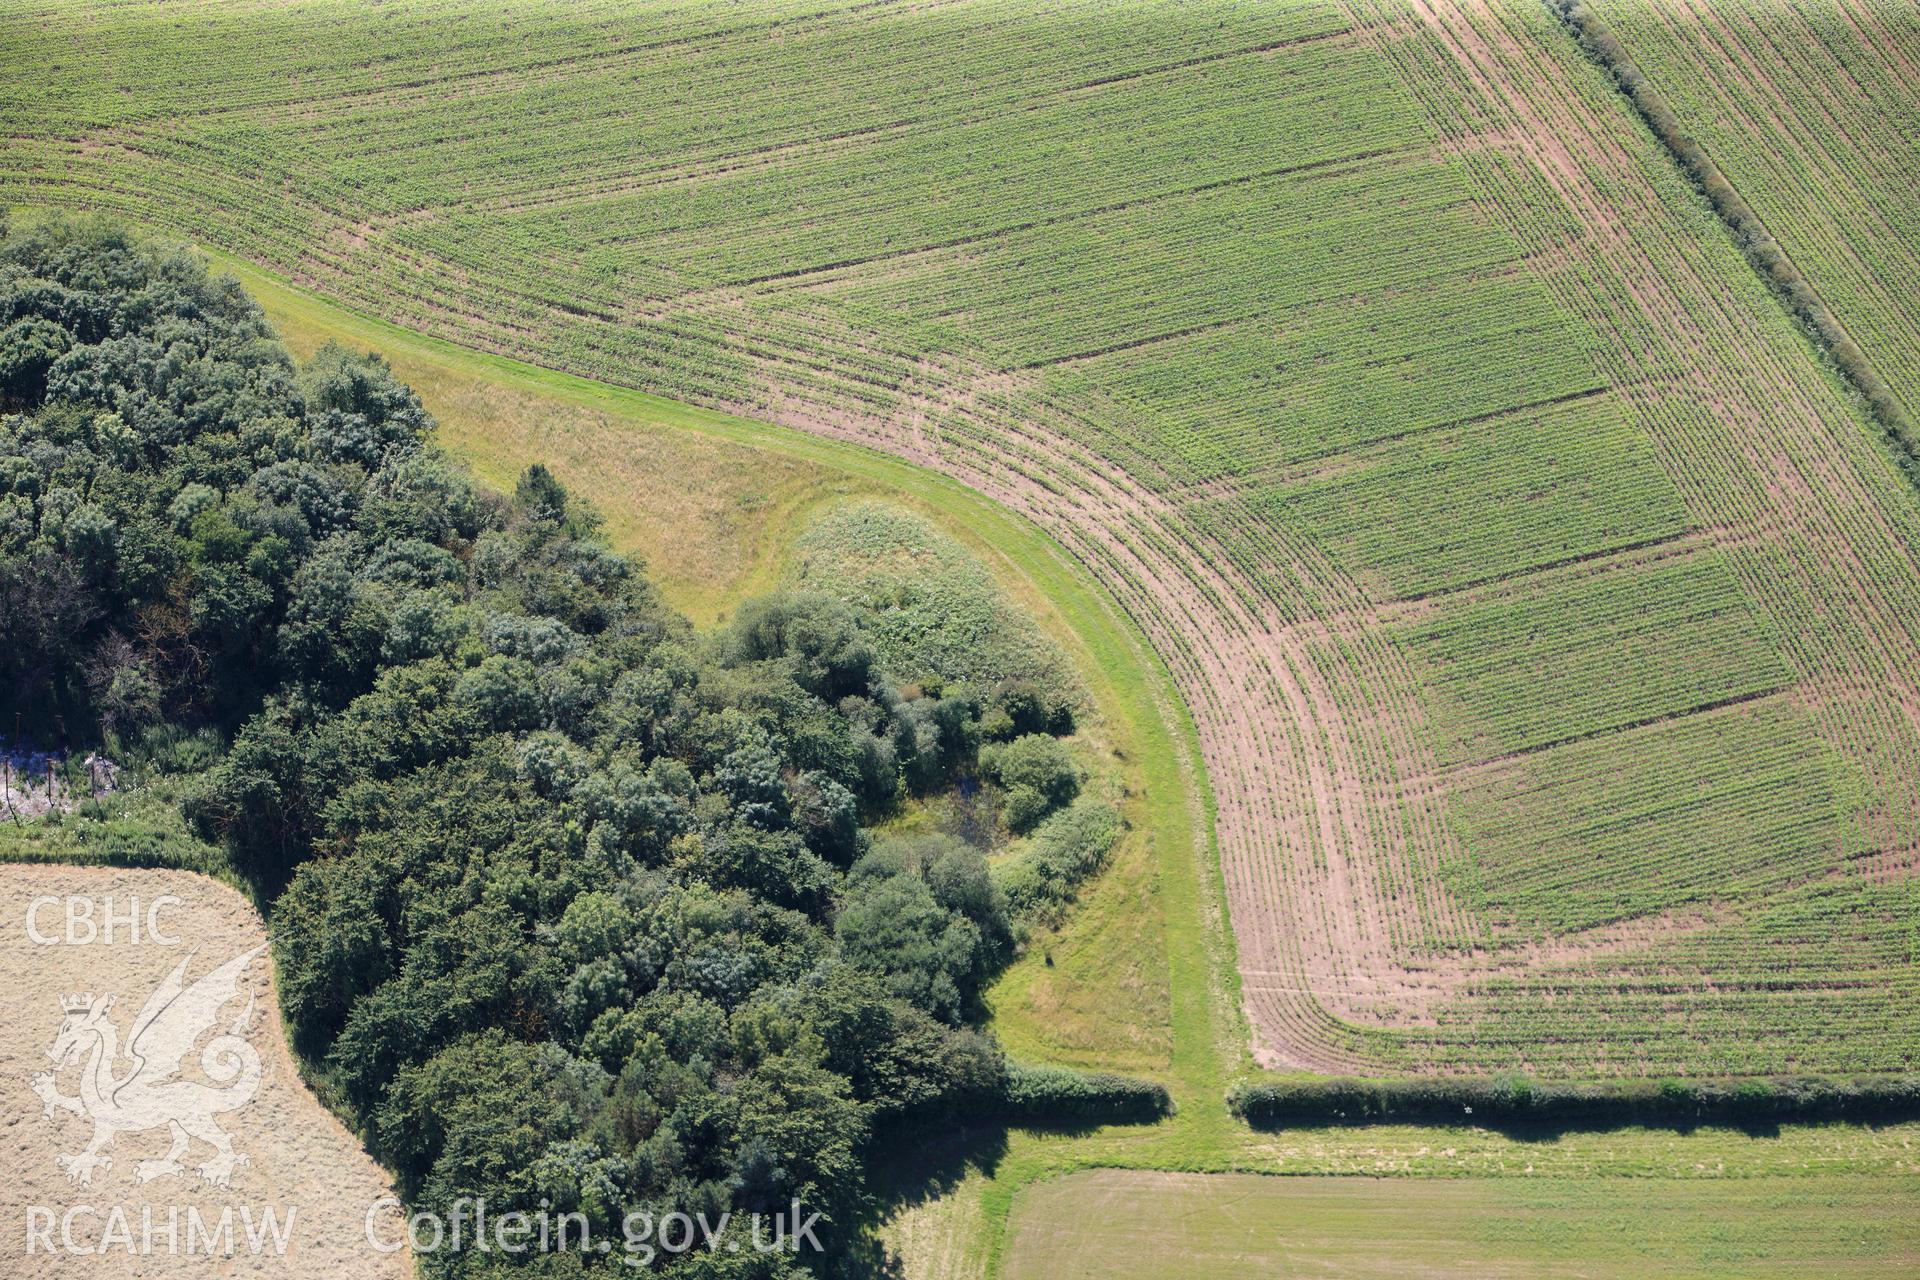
1329, 803
1296, 845
1766, 449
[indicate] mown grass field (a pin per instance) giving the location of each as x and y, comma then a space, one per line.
1127, 1226
1373, 357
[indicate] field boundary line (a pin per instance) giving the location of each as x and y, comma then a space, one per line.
1760, 249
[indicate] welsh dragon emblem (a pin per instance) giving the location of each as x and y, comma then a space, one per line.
139, 1087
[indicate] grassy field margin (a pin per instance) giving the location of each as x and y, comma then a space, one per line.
1130, 686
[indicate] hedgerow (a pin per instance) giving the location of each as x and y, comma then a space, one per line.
571, 906
1444, 466
1519, 1101
1052, 1095
1761, 247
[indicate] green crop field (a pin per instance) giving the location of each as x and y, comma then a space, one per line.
1809, 109
1125, 982
1547, 609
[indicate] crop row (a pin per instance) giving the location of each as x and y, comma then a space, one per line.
1573, 653
1719, 807
1275, 328
1326, 377
1446, 509
1810, 112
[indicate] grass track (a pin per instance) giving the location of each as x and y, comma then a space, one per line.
621, 446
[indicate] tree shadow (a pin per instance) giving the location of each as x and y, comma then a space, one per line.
913, 1167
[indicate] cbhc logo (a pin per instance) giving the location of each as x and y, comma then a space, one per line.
77, 921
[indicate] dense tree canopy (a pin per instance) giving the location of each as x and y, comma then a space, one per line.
572, 907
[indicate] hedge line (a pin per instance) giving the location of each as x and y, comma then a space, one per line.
1510, 1099
1061, 1095
1759, 245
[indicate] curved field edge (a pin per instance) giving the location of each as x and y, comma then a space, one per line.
965, 1214
1132, 689
1172, 812
988, 336
970, 1208
976, 1208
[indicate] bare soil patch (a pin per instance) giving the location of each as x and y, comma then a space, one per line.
291, 1156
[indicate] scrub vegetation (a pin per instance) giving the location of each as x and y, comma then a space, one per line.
1487, 423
